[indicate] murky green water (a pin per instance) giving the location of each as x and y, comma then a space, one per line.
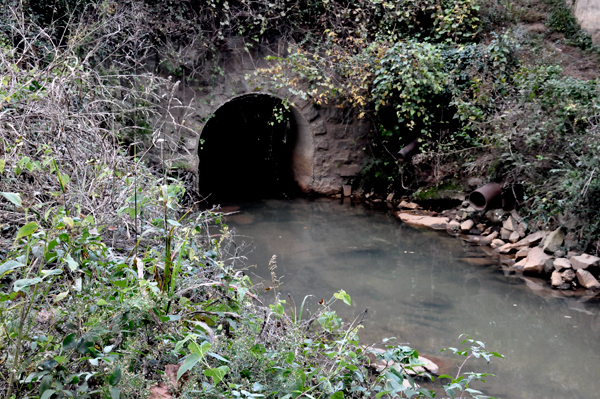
420, 288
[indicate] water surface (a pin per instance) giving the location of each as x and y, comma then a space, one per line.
427, 288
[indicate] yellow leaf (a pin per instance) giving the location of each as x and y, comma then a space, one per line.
69, 222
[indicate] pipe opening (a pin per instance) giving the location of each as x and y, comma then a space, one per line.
247, 149
478, 201
486, 196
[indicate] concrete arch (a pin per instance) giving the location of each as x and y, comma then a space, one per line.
302, 157
331, 139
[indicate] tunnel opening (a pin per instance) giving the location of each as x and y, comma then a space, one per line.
247, 150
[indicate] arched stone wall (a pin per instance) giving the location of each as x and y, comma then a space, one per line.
331, 139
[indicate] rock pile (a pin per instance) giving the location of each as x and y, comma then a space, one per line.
544, 253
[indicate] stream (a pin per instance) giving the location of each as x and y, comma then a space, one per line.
426, 289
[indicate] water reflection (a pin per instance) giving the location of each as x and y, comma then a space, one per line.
426, 288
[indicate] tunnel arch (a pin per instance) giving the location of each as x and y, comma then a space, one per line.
255, 145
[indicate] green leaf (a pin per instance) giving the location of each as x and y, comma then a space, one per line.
27, 230
52, 272
47, 393
216, 374
60, 359
101, 302
73, 265
200, 350
120, 283
45, 385
115, 377
343, 296
61, 296
69, 342
337, 395
14, 198
24, 283
217, 356
9, 266
2, 164
190, 362
115, 393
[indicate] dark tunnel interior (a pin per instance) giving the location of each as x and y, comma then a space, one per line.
246, 151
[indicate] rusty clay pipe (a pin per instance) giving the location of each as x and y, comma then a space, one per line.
407, 152
485, 196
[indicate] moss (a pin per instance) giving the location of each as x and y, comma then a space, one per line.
441, 191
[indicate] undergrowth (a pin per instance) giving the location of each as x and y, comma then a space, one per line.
110, 284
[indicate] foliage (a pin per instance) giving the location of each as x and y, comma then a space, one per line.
107, 281
466, 101
561, 19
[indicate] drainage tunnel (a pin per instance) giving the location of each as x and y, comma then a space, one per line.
248, 150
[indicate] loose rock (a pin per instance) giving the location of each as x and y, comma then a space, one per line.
408, 205
514, 237
506, 248
562, 263
523, 252
556, 279
488, 240
530, 240
536, 260
568, 275
553, 241
466, 225
584, 261
497, 243
522, 229
505, 234
495, 215
516, 216
586, 279
510, 224
436, 223
453, 227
